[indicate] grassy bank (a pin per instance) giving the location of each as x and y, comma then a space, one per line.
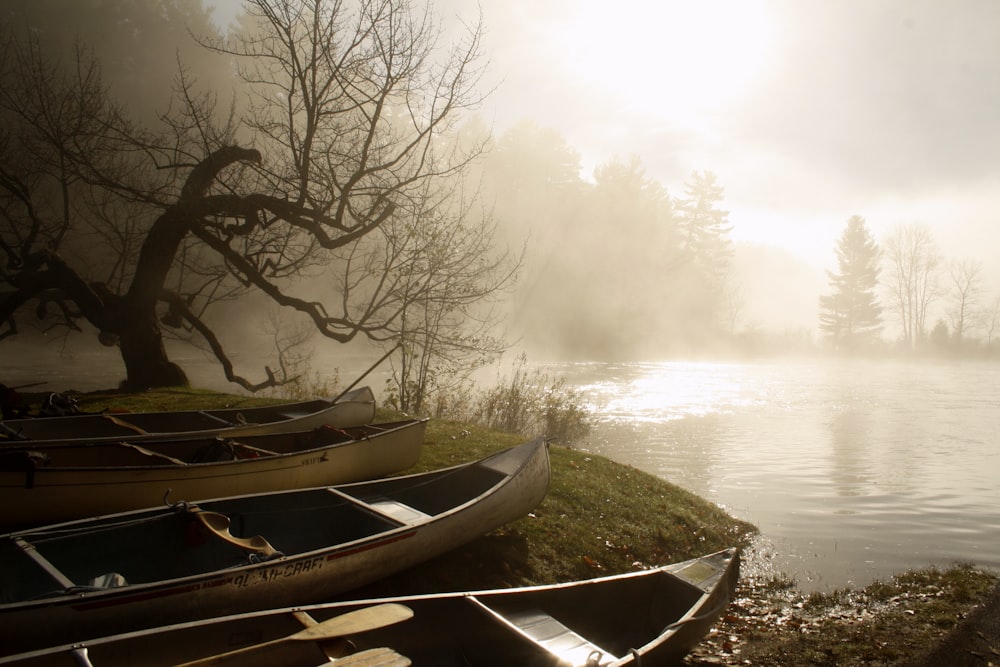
600, 518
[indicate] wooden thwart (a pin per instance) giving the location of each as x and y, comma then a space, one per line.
155, 455
43, 562
124, 424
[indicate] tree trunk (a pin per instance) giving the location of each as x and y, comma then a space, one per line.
146, 362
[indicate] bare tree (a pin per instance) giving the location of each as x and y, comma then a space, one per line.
733, 301
454, 279
965, 277
991, 320
911, 278
341, 112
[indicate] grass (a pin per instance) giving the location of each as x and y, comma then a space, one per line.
595, 519
600, 517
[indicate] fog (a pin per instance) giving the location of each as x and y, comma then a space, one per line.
806, 113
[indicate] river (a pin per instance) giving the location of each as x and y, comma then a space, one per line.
854, 471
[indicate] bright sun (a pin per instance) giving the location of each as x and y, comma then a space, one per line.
674, 59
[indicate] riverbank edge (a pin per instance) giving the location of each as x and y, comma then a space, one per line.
601, 517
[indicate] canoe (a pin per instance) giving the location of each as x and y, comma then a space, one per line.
76, 580
652, 617
354, 408
54, 483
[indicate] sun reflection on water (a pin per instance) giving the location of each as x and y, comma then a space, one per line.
674, 390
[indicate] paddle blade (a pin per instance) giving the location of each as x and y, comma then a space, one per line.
351, 623
369, 618
373, 657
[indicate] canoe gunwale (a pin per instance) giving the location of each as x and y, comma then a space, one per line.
143, 446
357, 407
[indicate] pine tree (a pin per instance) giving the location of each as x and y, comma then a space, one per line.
703, 229
851, 316
703, 226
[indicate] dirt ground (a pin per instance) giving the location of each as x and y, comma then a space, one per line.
926, 619
974, 642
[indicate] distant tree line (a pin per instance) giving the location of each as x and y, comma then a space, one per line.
617, 267
906, 279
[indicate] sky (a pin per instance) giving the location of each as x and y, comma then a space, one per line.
808, 112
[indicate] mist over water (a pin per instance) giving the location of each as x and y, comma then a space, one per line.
853, 471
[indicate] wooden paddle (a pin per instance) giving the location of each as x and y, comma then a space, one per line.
361, 620
373, 657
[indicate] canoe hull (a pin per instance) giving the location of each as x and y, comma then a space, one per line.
54, 494
644, 618
305, 575
355, 408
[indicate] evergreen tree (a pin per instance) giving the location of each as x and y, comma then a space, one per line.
703, 226
851, 316
703, 229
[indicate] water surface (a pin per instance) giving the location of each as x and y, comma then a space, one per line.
853, 471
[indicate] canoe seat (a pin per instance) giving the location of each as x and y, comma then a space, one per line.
108, 580
399, 511
553, 636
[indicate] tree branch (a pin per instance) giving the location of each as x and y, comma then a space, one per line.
179, 307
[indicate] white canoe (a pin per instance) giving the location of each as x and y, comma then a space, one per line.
53, 483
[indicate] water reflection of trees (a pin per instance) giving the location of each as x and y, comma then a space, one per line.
875, 447
850, 464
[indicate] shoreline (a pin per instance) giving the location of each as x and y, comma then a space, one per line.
602, 517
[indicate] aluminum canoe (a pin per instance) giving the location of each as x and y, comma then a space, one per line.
354, 408
78, 580
53, 483
652, 617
